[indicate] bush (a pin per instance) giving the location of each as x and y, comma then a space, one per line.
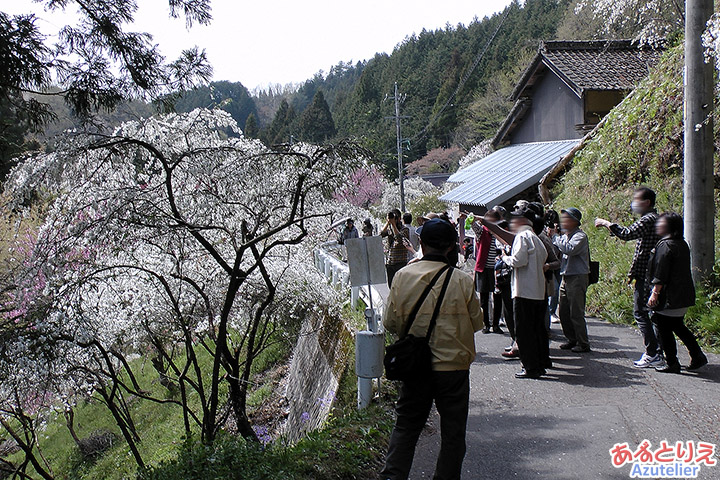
350, 447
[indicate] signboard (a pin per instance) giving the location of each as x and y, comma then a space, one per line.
366, 260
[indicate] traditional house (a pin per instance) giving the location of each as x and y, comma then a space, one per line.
564, 93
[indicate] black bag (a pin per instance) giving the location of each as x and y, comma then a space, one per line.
594, 272
503, 273
410, 357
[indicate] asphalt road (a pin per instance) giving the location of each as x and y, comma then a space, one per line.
563, 426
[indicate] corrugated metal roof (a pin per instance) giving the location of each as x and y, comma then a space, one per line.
506, 172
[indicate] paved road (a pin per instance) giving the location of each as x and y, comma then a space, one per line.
562, 427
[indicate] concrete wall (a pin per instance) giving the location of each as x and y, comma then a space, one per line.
554, 113
318, 363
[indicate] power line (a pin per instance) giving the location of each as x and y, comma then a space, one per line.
463, 79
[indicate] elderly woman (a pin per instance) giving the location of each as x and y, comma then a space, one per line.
672, 293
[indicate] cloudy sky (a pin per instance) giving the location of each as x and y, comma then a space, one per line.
258, 42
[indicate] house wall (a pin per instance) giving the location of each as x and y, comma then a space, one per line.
599, 103
555, 112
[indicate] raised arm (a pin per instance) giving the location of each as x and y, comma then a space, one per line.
503, 235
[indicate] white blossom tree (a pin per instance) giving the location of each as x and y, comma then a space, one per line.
647, 21
172, 237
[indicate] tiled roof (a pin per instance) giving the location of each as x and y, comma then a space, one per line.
592, 65
506, 172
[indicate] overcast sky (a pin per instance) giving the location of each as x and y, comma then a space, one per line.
258, 42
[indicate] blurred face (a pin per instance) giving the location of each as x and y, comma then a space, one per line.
661, 227
639, 205
516, 223
568, 223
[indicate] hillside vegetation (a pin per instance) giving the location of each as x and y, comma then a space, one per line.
641, 143
429, 67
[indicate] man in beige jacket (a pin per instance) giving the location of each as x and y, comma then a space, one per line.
452, 344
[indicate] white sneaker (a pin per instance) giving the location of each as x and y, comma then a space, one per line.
646, 361
659, 364
554, 319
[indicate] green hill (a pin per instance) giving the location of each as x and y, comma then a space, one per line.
428, 67
641, 143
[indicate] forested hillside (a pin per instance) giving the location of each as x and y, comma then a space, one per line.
428, 67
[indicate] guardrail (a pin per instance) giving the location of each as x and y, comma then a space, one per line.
328, 262
370, 343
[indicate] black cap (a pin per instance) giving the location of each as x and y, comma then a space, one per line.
437, 233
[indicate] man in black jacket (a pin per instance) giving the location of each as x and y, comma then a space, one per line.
643, 230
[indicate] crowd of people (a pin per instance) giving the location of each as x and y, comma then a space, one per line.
526, 267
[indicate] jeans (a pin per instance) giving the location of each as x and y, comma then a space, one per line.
530, 333
668, 327
573, 292
451, 393
642, 317
392, 269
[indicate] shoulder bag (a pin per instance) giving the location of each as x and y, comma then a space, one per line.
410, 357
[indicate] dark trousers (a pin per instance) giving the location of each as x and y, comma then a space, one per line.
530, 333
451, 392
484, 285
392, 269
504, 298
668, 327
573, 294
642, 317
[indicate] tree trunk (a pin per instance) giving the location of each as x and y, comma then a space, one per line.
237, 397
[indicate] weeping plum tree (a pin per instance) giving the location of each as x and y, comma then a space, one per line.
647, 21
174, 237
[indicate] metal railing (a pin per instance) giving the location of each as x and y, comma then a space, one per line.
328, 260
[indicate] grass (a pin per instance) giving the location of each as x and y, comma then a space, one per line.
350, 444
640, 144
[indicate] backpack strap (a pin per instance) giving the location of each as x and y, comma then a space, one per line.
423, 296
436, 312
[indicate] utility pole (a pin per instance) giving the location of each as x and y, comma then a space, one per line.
698, 181
401, 169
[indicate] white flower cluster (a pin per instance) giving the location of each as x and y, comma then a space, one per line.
711, 40
415, 188
476, 153
649, 22
143, 230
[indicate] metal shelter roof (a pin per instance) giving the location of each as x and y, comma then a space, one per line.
506, 172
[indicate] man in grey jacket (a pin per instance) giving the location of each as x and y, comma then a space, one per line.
575, 270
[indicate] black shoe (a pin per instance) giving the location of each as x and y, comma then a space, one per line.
580, 348
548, 364
697, 363
675, 368
532, 374
498, 330
486, 330
567, 346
